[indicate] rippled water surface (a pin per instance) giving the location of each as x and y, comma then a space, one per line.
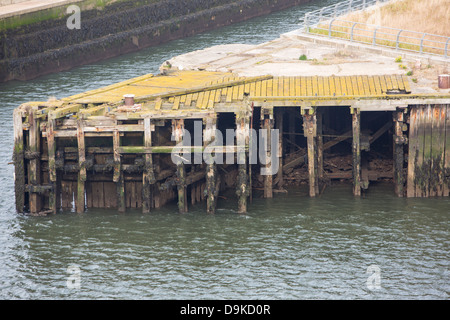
289, 247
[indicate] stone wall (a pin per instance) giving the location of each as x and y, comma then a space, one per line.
46, 45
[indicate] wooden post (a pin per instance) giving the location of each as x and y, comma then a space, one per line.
437, 150
18, 158
356, 151
53, 177
267, 125
412, 149
177, 130
242, 134
426, 167
419, 173
399, 141
34, 168
118, 173
80, 204
148, 177
310, 131
211, 170
446, 191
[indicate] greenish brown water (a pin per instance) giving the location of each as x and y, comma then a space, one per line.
288, 247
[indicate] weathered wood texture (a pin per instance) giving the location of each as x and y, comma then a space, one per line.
428, 153
72, 153
310, 131
34, 166
356, 151
18, 158
243, 183
399, 142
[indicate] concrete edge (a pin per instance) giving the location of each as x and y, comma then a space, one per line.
340, 43
22, 8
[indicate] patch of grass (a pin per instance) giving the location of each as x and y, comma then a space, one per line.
398, 59
409, 73
303, 57
414, 80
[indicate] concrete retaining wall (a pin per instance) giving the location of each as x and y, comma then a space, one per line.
40, 43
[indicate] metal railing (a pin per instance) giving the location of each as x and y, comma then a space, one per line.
341, 8
325, 21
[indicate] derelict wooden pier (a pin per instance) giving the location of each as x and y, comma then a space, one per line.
111, 147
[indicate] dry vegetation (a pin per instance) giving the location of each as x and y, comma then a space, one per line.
416, 16
429, 16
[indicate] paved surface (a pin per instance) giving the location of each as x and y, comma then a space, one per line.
280, 57
31, 6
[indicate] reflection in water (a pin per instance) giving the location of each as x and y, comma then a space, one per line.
289, 247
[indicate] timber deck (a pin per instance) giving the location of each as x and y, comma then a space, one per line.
95, 148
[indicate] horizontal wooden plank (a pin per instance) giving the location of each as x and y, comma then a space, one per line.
177, 149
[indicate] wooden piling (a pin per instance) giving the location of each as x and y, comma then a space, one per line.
242, 187
412, 149
418, 170
437, 150
446, 171
53, 176
356, 151
178, 130
211, 170
18, 158
310, 131
34, 166
427, 151
267, 125
399, 142
82, 175
148, 176
118, 173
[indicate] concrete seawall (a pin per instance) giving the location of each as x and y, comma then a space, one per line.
38, 42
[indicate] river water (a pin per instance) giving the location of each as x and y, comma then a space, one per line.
289, 247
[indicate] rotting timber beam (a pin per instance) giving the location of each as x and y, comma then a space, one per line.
178, 132
148, 177
356, 150
34, 167
399, 142
267, 125
412, 149
243, 188
118, 173
82, 176
18, 158
211, 168
446, 186
53, 176
310, 131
